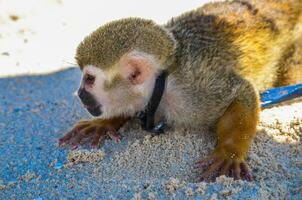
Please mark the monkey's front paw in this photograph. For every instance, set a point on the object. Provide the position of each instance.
(216, 166)
(95, 129)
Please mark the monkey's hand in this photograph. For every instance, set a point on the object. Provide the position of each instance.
(217, 164)
(235, 131)
(96, 129)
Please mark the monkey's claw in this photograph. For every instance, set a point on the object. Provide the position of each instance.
(215, 166)
(95, 130)
(114, 136)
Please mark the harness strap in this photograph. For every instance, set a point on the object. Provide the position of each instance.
(147, 116)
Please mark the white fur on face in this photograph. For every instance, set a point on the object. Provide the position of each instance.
(97, 88)
(115, 102)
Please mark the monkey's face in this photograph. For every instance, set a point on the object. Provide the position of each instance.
(122, 89)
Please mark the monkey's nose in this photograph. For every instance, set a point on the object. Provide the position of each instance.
(86, 97)
(81, 93)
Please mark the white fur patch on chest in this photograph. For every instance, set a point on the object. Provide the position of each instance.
(175, 106)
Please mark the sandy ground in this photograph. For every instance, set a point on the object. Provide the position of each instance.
(36, 110)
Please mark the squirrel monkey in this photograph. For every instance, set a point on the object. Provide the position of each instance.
(216, 58)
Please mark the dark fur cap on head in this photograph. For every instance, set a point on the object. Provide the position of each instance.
(107, 44)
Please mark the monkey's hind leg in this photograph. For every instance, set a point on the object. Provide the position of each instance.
(235, 131)
(96, 128)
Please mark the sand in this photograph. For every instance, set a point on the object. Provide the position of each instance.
(33, 166)
(275, 157)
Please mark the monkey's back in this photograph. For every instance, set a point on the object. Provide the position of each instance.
(251, 37)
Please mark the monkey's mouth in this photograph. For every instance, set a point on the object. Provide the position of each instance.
(94, 110)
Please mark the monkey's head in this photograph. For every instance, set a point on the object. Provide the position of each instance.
(120, 62)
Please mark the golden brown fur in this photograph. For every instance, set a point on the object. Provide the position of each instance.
(259, 32)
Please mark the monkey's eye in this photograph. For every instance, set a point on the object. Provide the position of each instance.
(89, 79)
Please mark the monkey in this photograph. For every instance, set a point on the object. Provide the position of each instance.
(216, 58)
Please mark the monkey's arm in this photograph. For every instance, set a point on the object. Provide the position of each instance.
(95, 128)
(235, 131)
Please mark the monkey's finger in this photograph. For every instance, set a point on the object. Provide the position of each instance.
(63, 140)
(79, 126)
(75, 141)
(114, 136)
(225, 170)
(96, 138)
(212, 170)
(245, 172)
(204, 162)
(236, 170)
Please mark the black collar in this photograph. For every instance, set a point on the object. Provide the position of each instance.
(147, 116)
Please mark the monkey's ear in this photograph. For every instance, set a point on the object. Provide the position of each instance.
(137, 68)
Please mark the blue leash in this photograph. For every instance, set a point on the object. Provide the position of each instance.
(279, 94)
